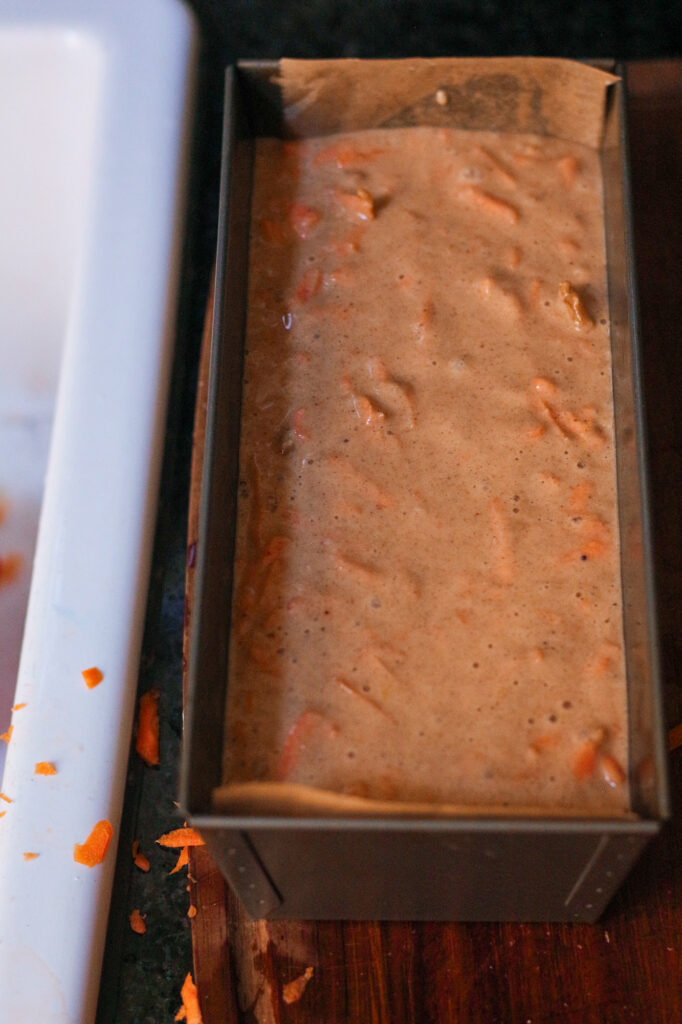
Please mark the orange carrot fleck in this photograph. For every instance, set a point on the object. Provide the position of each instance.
(675, 737)
(183, 860)
(2, 814)
(5, 798)
(544, 387)
(147, 739)
(140, 860)
(574, 304)
(303, 219)
(18, 707)
(367, 412)
(343, 156)
(10, 567)
(7, 736)
(293, 990)
(30, 856)
(92, 677)
(94, 849)
(297, 737)
(190, 1010)
(180, 837)
(358, 204)
(612, 771)
(192, 912)
(137, 922)
(44, 768)
(585, 760)
(309, 285)
(567, 167)
(480, 200)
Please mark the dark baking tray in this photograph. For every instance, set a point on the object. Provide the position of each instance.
(468, 868)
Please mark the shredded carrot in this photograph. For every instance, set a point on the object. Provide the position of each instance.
(140, 860)
(44, 768)
(30, 856)
(358, 204)
(296, 739)
(574, 304)
(190, 1010)
(612, 771)
(92, 677)
(293, 990)
(180, 837)
(309, 285)
(476, 197)
(5, 798)
(192, 912)
(343, 156)
(7, 736)
(675, 737)
(183, 859)
(585, 760)
(303, 219)
(10, 567)
(94, 849)
(137, 922)
(147, 740)
(568, 168)
(2, 814)
(18, 707)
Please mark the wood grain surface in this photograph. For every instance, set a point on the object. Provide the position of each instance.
(629, 966)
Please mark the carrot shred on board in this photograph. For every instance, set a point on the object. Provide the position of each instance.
(30, 856)
(189, 1011)
(44, 768)
(137, 922)
(140, 860)
(147, 740)
(293, 990)
(180, 837)
(675, 737)
(6, 798)
(192, 911)
(183, 859)
(2, 814)
(92, 677)
(7, 736)
(18, 707)
(94, 849)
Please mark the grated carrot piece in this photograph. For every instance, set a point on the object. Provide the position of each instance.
(585, 760)
(92, 677)
(10, 567)
(180, 837)
(30, 856)
(296, 739)
(94, 849)
(309, 285)
(7, 736)
(44, 768)
(147, 739)
(675, 737)
(192, 912)
(4, 797)
(18, 707)
(612, 771)
(137, 922)
(581, 319)
(2, 814)
(480, 200)
(293, 990)
(190, 1010)
(140, 860)
(182, 861)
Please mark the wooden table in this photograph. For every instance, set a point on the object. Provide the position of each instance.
(629, 966)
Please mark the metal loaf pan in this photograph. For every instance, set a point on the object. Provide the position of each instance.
(468, 868)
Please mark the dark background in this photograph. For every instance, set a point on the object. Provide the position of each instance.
(143, 974)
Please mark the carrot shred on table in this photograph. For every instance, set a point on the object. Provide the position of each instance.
(140, 860)
(675, 737)
(137, 922)
(30, 856)
(189, 1011)
(44, 768)
(94, 849)
(92, 677)
(2, 814)
(192, 911)
(10, 567)
(147, 740)
(293, 990)
(18, 707)
(7, 736)
(180, 837)
(4, 797)
(183, 859)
